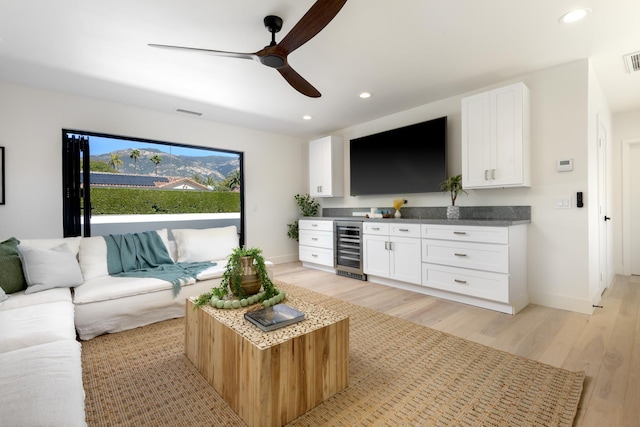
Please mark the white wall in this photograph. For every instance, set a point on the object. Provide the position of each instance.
(31, 121)
(558, 239)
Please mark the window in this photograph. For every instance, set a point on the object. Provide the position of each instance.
(115, 184)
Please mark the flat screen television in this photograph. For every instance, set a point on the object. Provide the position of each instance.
(410, 159)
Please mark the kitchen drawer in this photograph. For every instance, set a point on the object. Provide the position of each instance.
(376, 228)
(477, 256)
(320, 225)
(404, 230)
(480, 284)
(465, 233)
(320, 256)
(319, 239)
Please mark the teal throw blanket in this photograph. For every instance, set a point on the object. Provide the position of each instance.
(145, 255)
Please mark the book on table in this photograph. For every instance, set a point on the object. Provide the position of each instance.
(274, 317)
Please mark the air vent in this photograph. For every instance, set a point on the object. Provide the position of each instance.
(632, 62)
(193, 113)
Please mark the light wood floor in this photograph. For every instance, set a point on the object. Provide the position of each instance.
(605, 345)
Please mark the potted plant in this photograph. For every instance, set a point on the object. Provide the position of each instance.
(308, 207)
(453, 185)
(244, 275)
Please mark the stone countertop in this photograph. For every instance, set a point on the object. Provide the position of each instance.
(476, 222)
(487, 216)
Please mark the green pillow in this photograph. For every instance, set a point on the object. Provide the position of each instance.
(11, 275)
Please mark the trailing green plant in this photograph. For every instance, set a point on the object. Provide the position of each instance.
(231, 283)
(308, 207)
(453, 185)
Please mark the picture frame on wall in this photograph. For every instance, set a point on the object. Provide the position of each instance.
(2, 176)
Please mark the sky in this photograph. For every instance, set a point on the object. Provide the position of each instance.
(100, 145)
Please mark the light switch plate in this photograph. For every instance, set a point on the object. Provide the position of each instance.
(563, 202)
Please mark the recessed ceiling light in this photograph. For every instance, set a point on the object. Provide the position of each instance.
(365, 95)
(574, 15)
(307, 117)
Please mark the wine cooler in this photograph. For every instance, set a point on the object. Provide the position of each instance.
(348, 249)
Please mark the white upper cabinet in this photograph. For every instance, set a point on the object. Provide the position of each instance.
(326, 167)
(495, 138)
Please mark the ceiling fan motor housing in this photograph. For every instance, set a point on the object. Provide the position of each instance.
(273, 23)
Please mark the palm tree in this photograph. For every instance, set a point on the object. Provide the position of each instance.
(115, 161)
(156, 159)
(233, 180)
(135, 153)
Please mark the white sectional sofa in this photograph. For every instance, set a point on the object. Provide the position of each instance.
(41, 374)
(74, 298)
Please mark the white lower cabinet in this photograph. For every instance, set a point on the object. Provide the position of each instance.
(484, 266)
(315, 239)
(392, 251)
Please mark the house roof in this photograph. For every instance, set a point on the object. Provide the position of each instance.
(105, 179)
(406, 53)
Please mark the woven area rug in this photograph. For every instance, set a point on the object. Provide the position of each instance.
(401, 374)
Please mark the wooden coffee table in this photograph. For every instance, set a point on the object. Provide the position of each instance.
(270, 378)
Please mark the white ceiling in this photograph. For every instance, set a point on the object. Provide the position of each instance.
(406, 52)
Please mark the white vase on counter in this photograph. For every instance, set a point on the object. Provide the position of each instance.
(453, 212)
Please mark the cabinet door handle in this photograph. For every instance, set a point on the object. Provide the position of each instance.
(403, 229)
(464, 282)
(314, 255)
(460, 233)
(314, 238)
(314, 225)
(486, 174)
(375, 228)
(457, 254)
(493, 174)
(319, 188)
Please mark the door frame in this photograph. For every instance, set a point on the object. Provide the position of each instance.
(626, 206)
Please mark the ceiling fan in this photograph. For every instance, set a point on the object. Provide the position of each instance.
(275, 54)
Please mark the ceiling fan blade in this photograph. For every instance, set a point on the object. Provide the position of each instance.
(316, 18)
(207, 51)
(298, 82)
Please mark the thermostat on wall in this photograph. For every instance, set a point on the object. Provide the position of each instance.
(565, 165)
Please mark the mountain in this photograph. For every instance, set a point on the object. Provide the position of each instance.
(217, 167)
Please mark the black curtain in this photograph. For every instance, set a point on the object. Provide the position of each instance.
(76, 200)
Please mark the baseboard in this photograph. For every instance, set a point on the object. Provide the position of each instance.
(584, 306)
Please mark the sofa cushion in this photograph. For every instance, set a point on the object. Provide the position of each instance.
(42, 386)
(49, 268)
(210, 244)
(11, 275)
(36, 324)
(3, 296)
(108, 288)
(20, 299)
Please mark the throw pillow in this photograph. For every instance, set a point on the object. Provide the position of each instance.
(210, 244)
(93, 257)
(11, 276)
(49, 268)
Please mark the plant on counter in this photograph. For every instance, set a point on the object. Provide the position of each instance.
(308, 207)
(453, 185)
(231, 294)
